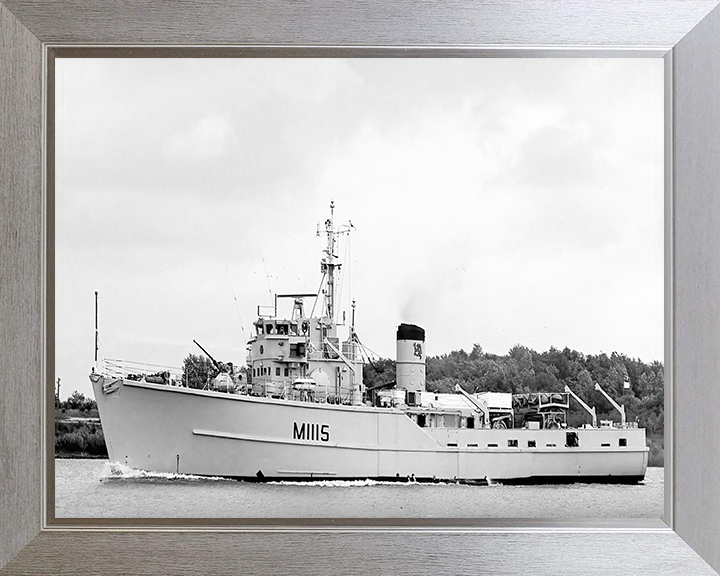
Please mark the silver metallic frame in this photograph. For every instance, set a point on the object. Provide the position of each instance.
(686, 33)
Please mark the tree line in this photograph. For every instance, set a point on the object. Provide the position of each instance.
(78, 402)
(199, 371)
(78, 433)
(524, 370)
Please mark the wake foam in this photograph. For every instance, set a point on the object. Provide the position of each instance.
(117, 471)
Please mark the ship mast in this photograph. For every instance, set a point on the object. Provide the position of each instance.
(329, 264)
(330, 267)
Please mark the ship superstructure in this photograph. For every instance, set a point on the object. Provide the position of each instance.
(303, 412)
(302, 357)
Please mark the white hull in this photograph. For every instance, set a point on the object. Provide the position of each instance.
(171, 429)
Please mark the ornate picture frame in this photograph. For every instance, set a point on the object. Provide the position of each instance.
(685, 34)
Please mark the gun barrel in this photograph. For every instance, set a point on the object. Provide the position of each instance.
(215, 362)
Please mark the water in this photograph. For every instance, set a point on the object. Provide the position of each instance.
(97, 489)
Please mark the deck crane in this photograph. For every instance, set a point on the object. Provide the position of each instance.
(590, 411)
(617, 406)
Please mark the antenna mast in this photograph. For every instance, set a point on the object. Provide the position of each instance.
(96, 328)
(329, 265)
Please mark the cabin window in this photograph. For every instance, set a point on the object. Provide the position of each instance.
(572, 440)
(550, 445)
(531, 444)
(452, 444)
(277, 371)
(623, 442)
(471, 422)
(297, 350)
(605, 445)
(512, 443)
(450, 421)
(492, 446)
(472, 445)
(422, 420)
(287, 372)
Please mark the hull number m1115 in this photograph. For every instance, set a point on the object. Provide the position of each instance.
(310, 431)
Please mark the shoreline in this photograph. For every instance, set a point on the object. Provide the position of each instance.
(80, 456)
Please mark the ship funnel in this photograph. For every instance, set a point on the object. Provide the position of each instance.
(410, 359)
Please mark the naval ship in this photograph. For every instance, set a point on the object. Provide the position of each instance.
(302, 412)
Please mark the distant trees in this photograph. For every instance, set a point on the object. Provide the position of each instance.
(524, 370)
(77, 433)
(379, 372)
(198, 371)
(79, 439)
(77, 401)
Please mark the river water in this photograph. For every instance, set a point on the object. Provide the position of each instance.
(98, 489)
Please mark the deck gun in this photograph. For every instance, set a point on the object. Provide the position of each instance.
(220, 367)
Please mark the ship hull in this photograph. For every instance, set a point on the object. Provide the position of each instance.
(171, 429)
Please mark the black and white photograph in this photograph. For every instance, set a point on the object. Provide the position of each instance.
(359, 288)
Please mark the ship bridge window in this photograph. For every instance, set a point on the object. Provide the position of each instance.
(293, 329)
(269, 329)
(422, 420)
(623, 442)
(282, 329)
(471, 422)
(277, 371)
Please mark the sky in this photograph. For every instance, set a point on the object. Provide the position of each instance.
(494, 202)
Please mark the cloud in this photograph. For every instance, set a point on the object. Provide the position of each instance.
(210, 136)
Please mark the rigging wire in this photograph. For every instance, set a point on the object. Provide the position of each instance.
(237, 306)
(312, 312)
(346, 263)
(113, 360)
(267, 276)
